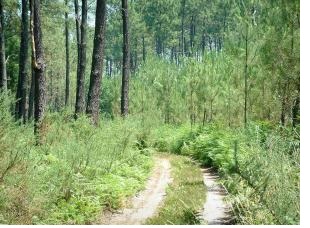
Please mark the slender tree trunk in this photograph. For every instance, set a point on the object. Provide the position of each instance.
(67, 93)
(3, 75)
(246, 79)
(80, 88)
(97, 63)
(39, 70)
(110, 67)
(182, 26)
(192, 35)
(78, 30)
(143, 49)
(204, 117)
(21, 94)
(31, 96)
(296, 112)
(126, 61)
(283, 104)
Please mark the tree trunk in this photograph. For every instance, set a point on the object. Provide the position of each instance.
(246, 79)
(296, 112)
(3, 75)
(31, 96)
(23, 57)
(39, 70)
(182, 26)
(80, 88)
(192, 35)
(143, 49)
(67, 92)
(78, 31)
(110, 67)
(97, 63)
(126, 61)
(283, 111)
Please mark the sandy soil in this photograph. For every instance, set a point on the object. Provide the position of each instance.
(145, 204)
(215, 211)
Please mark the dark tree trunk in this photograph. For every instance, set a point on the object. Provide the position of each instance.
(110, 67)
(246, 80)
(97, 63)
(203, 44)
(78, 31)
(39, 70)
(296, 112)
(31, 96)
(3, 75)
(126, 61)
(80, 88)
(67, 93)
(182, 26)
(143, 49)
(192, 35)
(283, 112)
(21, 94)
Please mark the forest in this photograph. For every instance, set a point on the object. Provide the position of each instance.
(150, 112)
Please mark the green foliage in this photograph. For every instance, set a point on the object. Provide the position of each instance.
(76, 174)
(259, 167)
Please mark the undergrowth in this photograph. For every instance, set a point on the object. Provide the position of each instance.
(78, 171)
(259, 166)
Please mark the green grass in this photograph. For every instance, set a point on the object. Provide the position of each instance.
(185, 195)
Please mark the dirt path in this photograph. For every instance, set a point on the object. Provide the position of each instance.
(144, 205)
(215, 211)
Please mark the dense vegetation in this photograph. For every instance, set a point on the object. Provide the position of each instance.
(217, 81)
(259, 166)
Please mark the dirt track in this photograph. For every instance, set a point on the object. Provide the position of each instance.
(215, 211)
(145, 204)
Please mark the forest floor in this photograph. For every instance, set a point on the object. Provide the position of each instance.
(145, 204)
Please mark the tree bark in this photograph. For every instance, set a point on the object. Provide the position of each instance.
(67, 92)
(296, 112)
(39, 70)
(182, 26)
(21, 94)
(143, 49)
(80, 89)
(97, 63)
(126, 61)
(31, 96)
(246, 79)
(3, 74)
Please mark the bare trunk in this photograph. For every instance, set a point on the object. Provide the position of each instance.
(21, 94)
(39, 70)
(97, 63)
(3, 75)
(143, 49)
(126, 61)
(31, 97)
(80, 88)
(246, 79)
(67, 92)
(182, 26)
